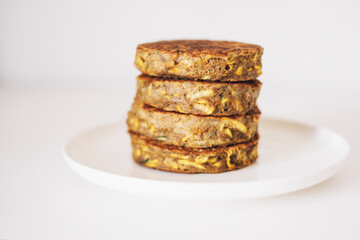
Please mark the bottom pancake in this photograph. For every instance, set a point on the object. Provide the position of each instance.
(171, 158)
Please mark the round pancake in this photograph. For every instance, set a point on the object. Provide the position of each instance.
(198, 97)
(191, 130)
(164, 157)
(200, 60)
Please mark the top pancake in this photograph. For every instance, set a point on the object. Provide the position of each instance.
(200, 60)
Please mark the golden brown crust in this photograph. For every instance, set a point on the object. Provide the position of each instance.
(160, 156)
(200, 59)
(198, 97)
(196, 48)
(191, 130)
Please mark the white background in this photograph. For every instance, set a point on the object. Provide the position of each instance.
(93, 42)
(68, 65)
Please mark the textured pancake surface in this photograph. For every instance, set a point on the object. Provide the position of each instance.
(164, 157)
(191, 130)
(198, 97)
(200, 60)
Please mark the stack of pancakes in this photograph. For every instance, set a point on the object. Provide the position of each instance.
(195, 107)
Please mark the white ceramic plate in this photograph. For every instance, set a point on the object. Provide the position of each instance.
(292, 156)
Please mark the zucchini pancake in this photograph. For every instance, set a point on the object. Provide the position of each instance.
(153, 154)
(195, 109)
(191, 130)
(200, 60)
(198, 97)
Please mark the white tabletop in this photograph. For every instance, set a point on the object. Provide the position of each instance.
(41, 198)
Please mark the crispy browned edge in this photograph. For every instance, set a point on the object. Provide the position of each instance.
(253, 112)
(187, 150)
(198, 47)
(190, 172)
(253, 83)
